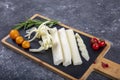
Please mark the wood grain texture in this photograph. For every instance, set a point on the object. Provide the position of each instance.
(113, 71)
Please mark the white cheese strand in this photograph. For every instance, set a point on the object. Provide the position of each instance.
(42, 32)
(82, 47)
(30, 31)
(38, 31)
(37, 50)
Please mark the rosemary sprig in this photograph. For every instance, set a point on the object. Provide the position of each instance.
(29, 23)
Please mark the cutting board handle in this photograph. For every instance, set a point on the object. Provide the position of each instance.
(109, 68)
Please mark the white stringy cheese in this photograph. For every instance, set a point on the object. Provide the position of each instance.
(41, 32)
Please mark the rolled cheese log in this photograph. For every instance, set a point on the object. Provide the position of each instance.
(65, 47)
(74, 49)
(82, 47)
(56, 48)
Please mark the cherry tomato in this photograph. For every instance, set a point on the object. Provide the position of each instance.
(95, 46)
(19, 40)
(94, 40)
(26, 44)
(101, 43)
(14, 33)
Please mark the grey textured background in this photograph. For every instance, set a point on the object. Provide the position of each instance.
(100, 18)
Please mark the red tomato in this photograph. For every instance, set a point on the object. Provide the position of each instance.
(95, 46)
(101, 43)
(94, 40)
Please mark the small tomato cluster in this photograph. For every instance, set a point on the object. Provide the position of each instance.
(97, 43)
(15, 35)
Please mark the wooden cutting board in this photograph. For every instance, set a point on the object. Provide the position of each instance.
(80, 72)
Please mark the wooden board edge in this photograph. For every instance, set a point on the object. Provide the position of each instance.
(112, 71)
(36, 59)
(39, 15)
(88, 72)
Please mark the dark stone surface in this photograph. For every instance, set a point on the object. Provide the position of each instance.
(97, 17)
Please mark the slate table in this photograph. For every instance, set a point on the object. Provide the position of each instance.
(100, 18)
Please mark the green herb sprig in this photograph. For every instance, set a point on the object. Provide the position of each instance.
(29, 23)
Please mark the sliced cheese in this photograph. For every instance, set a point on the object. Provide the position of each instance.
(74, 49)
(65, 47)
(56, 48)
(82, 47)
